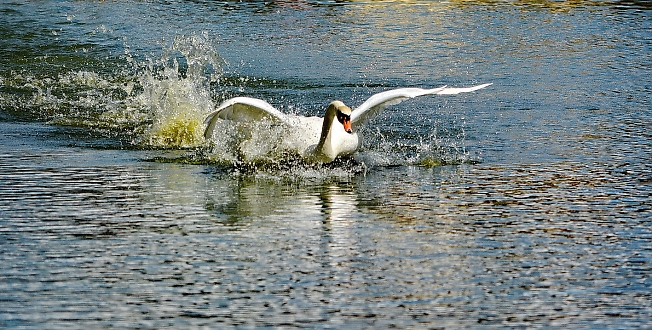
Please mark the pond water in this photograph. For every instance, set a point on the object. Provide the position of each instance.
(524, 204)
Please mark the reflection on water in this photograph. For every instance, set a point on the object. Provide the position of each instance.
(123, 243)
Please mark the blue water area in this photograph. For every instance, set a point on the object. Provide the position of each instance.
(522, 205)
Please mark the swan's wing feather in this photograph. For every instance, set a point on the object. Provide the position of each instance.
(453, 90)
(243, 109)
(375, 105)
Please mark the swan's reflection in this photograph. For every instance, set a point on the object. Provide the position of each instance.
(314, 248)
(338, 207)
(321, 217)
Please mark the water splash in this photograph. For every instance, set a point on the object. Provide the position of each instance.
(177, 106)
(158, 102)
(444, 145)
(433, 143)
(176, 89)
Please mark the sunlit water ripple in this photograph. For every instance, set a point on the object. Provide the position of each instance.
(522, 205)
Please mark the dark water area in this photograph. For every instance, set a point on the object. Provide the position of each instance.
(525, 204)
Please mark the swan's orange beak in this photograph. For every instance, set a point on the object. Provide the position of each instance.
(347, 125)
(344, 117)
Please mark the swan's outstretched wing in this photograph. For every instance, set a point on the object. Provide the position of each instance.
(243, 109)
(378, 102)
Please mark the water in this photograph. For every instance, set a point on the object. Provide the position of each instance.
(525, 204)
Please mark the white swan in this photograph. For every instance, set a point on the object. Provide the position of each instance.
(320, 139)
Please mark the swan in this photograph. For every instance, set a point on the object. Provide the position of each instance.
(315, 139)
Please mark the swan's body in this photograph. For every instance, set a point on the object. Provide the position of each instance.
(318, 139)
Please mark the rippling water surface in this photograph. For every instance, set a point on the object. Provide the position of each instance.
(525, 204)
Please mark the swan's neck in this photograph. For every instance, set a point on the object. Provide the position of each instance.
(327, 125)
(325, 151)
(324, 148)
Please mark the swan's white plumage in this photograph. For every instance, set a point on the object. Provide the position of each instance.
(244, 109)
(319, 139)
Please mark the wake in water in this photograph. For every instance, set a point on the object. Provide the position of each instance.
(161, 103)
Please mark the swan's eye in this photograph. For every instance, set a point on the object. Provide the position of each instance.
(343, 117)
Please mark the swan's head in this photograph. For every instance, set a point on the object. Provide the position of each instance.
(343, 115)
